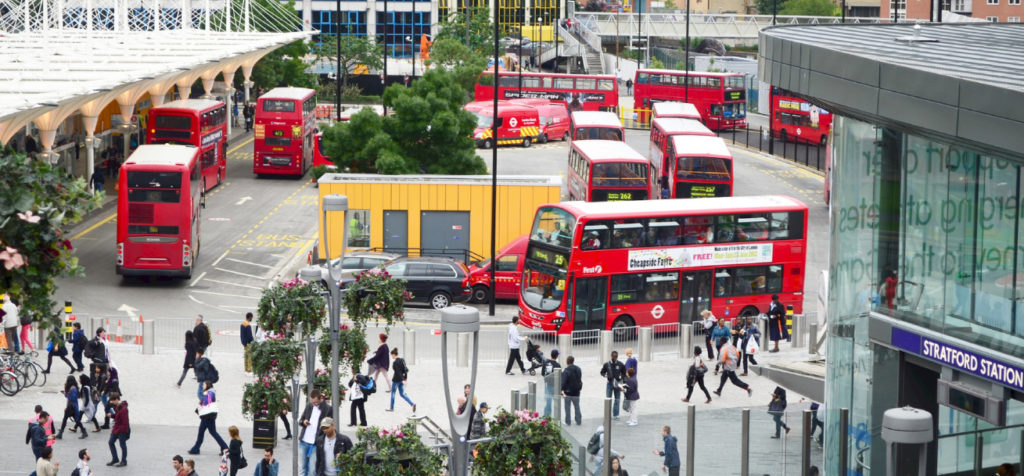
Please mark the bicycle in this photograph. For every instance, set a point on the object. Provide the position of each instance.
(23, 367)
(9, 384)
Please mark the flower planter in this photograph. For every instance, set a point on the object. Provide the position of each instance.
(264, 433)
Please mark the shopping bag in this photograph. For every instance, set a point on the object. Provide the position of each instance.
(752, 346)
(3, 340)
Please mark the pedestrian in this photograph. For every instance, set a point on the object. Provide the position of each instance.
(89, 401)
(97, 180)
(888, 288)
(818, 421)
(204, 369)
(248, 112)
(572, 383)
(11, 323)
(379, 363)
(814, 471)
(730, 357)
(190, 467)
(287, 424)
(37, 436)
(777, 328)
(190, 356)
(401, 374)
(709, 321)
(464, 403)
(777, 409)
(268, 465)
(632, 390)
(357, 396)
(202, 334)
(97, 352)
(71, 409)
(615, 372)
(315, 411)
(629, 87)
(179, 466)
(630, 360)
(513, 347)
(122, 429)
(329, 444)
(695, 376)
(111, 387)
(207, 419)
(55, 348)
(26, 327)
(478, 429)
(235, 456)
(749, 343)
(598, 449)
(78, 341)
(247, 338)
(717, 333)
(671, 452)
(83, 462)
(615, 467)
(234, 114)
(44, 465)
(549, 383)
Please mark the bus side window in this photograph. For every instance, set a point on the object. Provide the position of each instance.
(595, 236)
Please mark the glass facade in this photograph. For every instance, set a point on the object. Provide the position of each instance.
(404, 30)
(929, 233)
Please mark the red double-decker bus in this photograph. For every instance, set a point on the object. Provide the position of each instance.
(681, 110)
(607, 171)
(700, 166)
(579, 92)
(199, 122)
(285, 123)
(798, 120)
(160, 195)
(610, 265)
(721, 98)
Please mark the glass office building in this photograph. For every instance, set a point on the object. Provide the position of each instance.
(926, 292)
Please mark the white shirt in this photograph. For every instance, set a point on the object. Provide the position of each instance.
(309, 436)
(11, 317)
(260, 335)
(329, 468)
(513, 336)
(83, 468)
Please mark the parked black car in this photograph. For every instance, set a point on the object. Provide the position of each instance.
(435, 281)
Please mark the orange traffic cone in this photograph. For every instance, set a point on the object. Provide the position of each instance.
(138, 334)
(120, 332)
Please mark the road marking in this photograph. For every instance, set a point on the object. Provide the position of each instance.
(226, 294)
(239, 146)
(241, 273)
(93, 227)
(211, 305)
(196, 281)
(243, 200)
(215, 263)
(235, 307)
(258, 288)
(249, 262)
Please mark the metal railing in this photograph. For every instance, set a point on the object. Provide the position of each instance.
(466, 256)
(702, 25)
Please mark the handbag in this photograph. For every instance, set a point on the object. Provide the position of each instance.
(242, 463)
(208, 409)
(752, 346)
(701, 369)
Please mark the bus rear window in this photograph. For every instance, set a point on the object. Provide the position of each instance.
(278, 105)
(173, 122)
(598, 133)
(280, 141)
(142, 179)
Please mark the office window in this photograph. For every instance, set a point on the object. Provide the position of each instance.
(358, 228)
(992, 19)
(991, 2)
(1013, 19)
(1013, 2)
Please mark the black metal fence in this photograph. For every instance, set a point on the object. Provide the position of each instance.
(808, 154)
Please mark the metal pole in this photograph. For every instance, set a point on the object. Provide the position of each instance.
(805, 445)
(384, 80)
(844, 11)
(606, 451)
(494, 165)
(844, 440)
(745, 442)
(522, 20)
(311, 365)
(414, 42)
(686, 85)
(337, 54)
(295, 424)
(775, 10)
(979, 447)
(639, 34)
(691, 436)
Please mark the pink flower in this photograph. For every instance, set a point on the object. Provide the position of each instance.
(543, 423)
(29, 217)
(11, 258)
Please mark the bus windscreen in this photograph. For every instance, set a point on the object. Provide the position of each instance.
(703, 168)
(622, 174)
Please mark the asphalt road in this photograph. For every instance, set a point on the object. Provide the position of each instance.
(257, 230)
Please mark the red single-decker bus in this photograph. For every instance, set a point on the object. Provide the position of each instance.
(578, 92)
(159, 199)
(199, 122)
(721, 98)
(285, 123)
(613, 265)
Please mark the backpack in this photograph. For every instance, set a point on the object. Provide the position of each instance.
(212, 375)
(94, 349)
(369, 388)
(594, 445)
(76, 472)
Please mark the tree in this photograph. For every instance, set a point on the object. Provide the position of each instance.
(456, 57)
(37, 203)
(284, 67)
(817, 8)
(766, 7)
(477, 33)
(428, 132)
(355, 50)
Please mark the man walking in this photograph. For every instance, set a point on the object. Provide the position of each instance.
(201, 334)
(312, 416)
(37, 436)
(615, 371)
(122, 428)
(83, 462)
(12, 322)
(549, 383)
(204, 370)
(777, 329)
(329, 444)
(730, 362)
(572, 383)
(97, 180)
(513, 347)
(247, 338)
(78, 341)
(671, 452)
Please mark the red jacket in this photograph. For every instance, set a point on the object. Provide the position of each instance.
(121, 419)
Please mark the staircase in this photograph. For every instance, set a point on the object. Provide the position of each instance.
(589, 47)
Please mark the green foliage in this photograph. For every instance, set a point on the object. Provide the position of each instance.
(376, 295)
(37, 203)
(464, 63)
(322, 382)
(656, 64)
(477, 33)
(427, 132)
(766, 7)
(352, 348)
(275, 360)
(284, 67)
(289, 304)
(398, 451)
(630, 54)
(355, 50)
(670, 4)
(523, 443)
(818, 8)
(318, 171)
(694, 43)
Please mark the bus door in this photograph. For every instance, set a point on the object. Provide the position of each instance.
(590, 304)
(695, 296)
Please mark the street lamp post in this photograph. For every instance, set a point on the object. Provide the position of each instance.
(459, 319)
(686, 85)
(334, 203)
(337, 53)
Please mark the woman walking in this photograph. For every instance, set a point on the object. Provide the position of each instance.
(71, 409)
(379, 361)
(287, 424)
(89, 400)
(56, 348)
(695, 376)
(207, 419)
(190, 356)
(632, 391)
(750, 331)
(26, 326)
(235, 450)
(777, 408)
(398, 381)
(709, 324)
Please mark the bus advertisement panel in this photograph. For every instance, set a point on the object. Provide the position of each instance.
(198, 122)
(798, 120)
(284, 127)
(721, 98)
(609, 265)
(701, 166)
(158, 208)
(607, 171)
(578, 92)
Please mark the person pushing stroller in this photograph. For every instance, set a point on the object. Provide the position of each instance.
(534, 356)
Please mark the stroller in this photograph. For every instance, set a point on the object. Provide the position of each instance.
(535, 357)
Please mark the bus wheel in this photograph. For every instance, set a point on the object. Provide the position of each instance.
(480, 293)
(487, 144)
(527, 142)
(749, 311)
(543, 139)
(623, 328)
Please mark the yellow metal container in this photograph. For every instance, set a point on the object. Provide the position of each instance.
(369, 196)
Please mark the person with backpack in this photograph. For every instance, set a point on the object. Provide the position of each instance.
(359, 388)
(777, 408)
(572, 384)
(596, 449)
(549, 383)
(37, 435)
(398, 380)
(202, 334)
(78, 341)
(190, 356)
(89, 402)
(204, 370)
(730, 362)
(207, 412)
(96, 351)
(615, 371)
(82, 468)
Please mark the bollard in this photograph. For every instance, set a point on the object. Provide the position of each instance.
(462, 354)
(565, 344)
(691, 437)
(812, 338)
(646, 336)
(605, 345)
(794, 332)
(608, 442)
(515, 400)
(524, 402)
(685, 341)
(745, 442)
(805, 445)
(789, 319)
(581, 457)
(531, 396)
(409, 338)
(556, 383)
(148, 331)
(69, 319)
(844, 440)
(138, 334)
(765, 336)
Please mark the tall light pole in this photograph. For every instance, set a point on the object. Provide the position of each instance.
(494, 167)
(334, 203)
(522, 21)
(413, 42)
(337, 52)
(686, 85)
(460, 319)
(384, 80)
